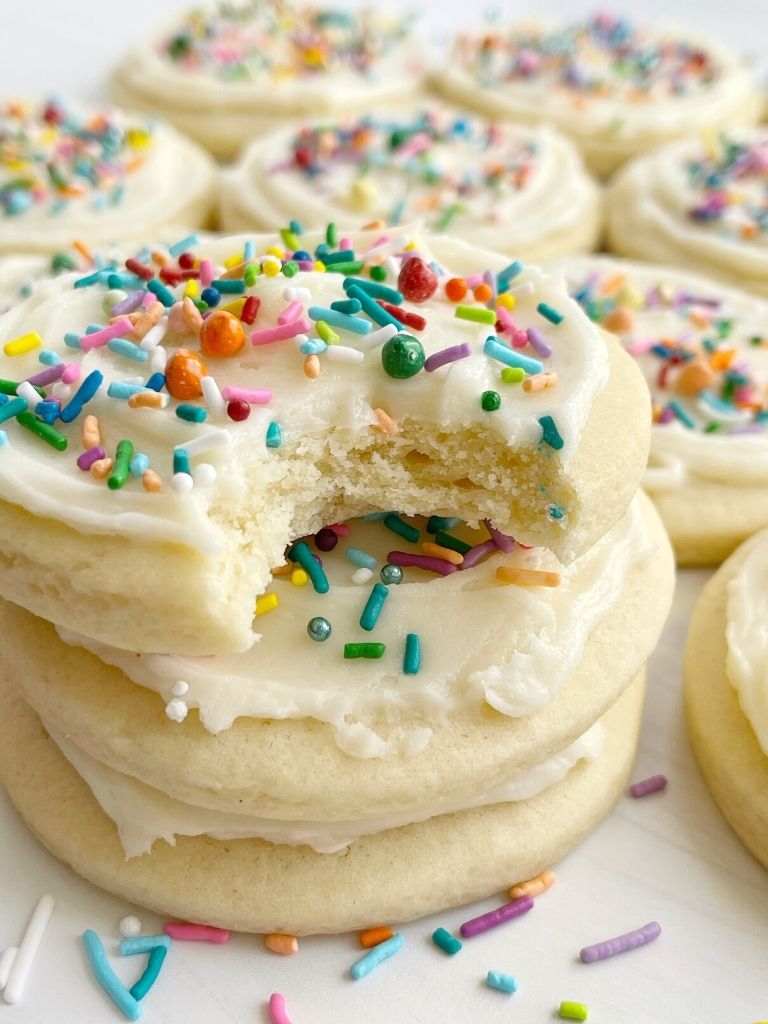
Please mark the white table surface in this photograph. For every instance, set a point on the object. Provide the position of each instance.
(669, 857)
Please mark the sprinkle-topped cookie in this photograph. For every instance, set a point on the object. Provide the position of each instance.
(731, 184)
(616, 87)
(522, 190)
(68, 172)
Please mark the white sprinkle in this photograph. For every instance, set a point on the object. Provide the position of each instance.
(129, 926)
(6, 963)
(526, 288)
(158, 359)
(300, 339)
(182, 483)
(176, 710)
(344, 354)
(25, 955)
(61, 390)
(180, 688)
(204, 475)
(393, 267)
(154, 336)
(213, 398)
(217, 438)
(297, 294)
(376, 338)
(26, 391)
(361, 575)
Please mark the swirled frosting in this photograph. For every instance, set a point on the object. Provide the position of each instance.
(68, 172)
(506, 187)
(747, 612)
(703, 349)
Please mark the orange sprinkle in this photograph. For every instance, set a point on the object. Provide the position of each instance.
(438, 551)
(695, 377)
(534, 886)
(146, 400)
(282, 570)
(385, 423)
(191, 314)
(482, 292)
(280, 943)
(699, 319)
(613, 283)
(374, 225)
(373, 936)
(236, 271)
(722, 358)
(83, 249)
(619, 320)
(147, 320)
(160, 258)
(540, 382)
(91, 434)
(151, 481)
(527, 577)
(101, 468)
(312, 367)
(456, 288)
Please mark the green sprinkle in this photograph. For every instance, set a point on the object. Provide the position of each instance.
(756, 339)
(378, 273)
(122, 466)
(8, 387)
(573, 1011)
(327, 333)
(44, 431)
(274, 435)
(62, 261)
(290, 239)
(447, 215)
(477, 314)
(445, 941)
(331, 235)
(250, 274)
(229, 285)
(550, 434)
(394, 523)
(713, 427)
(490, 400)
(290, 269)
(412, 657)
(550, 313)
(437, 523)
(191, 413)
(513, 374)
(364, 650)
(352, 267)
(447, 540)
(373, 606)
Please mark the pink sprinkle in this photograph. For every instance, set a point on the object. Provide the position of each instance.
(149, 299)
(340, 529)
(405, 558)
(639, 348)
(474, 280)
(280, 333)
(253, 396)
(87, 458)
(277, 1014)
(46, 376)
(501, 540)
(195, 932)
(291, 313)
(346, 243)
(70, 373)
(99, 338)
(206, 273)
(651, 785)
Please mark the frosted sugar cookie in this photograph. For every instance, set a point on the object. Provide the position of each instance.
(516, 189)
(72, 173)
(700, 204)
(170, 459)
(703, 349)
(398, 874)
(725, 691)
(617, 89)
(231, 71)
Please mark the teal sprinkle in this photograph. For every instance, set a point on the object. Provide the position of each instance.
(373, 606)
(375, 289)
(507, 275)
(296, 227)
(550, 434)
(181, 461)
(361, 558)
(144, 944)
(229, 285)
(300, 553)
(682, 415)
(550, 313)
(342, 256)
(412, 656)
(394, 523)
(437, 523)
(151, 972)
(163, 294)
(124, 280)
(447, 942)
(49, 358)
(447, 540)
(274, 435)
(371, 517)
(191, 413)
(556, 512)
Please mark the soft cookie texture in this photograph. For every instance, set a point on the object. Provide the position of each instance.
(703, 349)
(453, 741)
(96, 175)
(204, 467)
(517, 189)
(727, 727)
(616, 89)
(230, 72)
(398, 875)
(697, 203)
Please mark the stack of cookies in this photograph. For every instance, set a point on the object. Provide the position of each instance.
(325, 563)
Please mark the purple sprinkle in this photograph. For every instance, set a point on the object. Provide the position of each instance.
(129, 303)
(538, 343)
(622, 943)
(652, 785)
(502, 541)
(667, 415)
(87, 458)
(494, 918)
(478, 553)
(447, 355)
(406, 559)
(46, 376)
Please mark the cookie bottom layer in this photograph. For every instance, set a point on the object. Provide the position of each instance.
(251, 885)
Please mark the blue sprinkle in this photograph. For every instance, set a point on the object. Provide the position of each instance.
(183, 244)
(3, 438)
(312, 346)
(191, 413)
(510, 357)
(181, 461)
(375, 956)
(139, 464)
(122, 389)
(49, 358)
(274, 435)
(501, 982)
(82, 396)
(248, 250)
(361, 558)
(107, 978)
(123, 347)
(72, 339)
(210, 296)
(144, 944)
(48, 411)
(681, 414)
(156, 382)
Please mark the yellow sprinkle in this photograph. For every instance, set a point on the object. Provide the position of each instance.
(233, 260)
(275, 250)
(299, 577)
(271, 268)
(236, 307)
(138, 138)
(24, 343)
(319, 266)
(507, 301)
(527, 577)
(191, 289)
(411, 245)
(266, 603)
(446, 554)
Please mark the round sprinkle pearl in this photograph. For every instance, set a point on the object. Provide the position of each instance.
(490, 401)
(326, 539)
(402, 356)
(182, 483)
(176, 710)
(180, 688)
(319, 628)
(129, 926)
(204, 474)
(361, 575)
(391, 574)
(238, 410)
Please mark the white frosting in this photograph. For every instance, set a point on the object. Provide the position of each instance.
(18, 276)
(747, 636)
(144, 814)
(614, 111)
(511, 647)
(173, 185)
(49, 483)
(651, 297)
(650, 205)
(516, 189)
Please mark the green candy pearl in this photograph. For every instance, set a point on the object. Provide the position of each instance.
(490, 401)
(402, 356)
(319, 629)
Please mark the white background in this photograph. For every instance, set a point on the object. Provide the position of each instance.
(669, 857)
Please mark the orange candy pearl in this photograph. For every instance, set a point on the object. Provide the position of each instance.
(456, 288)
(482, 292)
(183, 374)
(221, 334)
